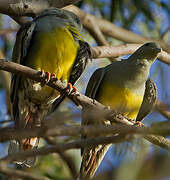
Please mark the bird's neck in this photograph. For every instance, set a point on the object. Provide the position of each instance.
(139, 70)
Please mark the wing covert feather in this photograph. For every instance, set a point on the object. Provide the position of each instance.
(149, 100)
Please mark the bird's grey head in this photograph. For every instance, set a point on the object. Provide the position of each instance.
(147, 52)
(67, 16)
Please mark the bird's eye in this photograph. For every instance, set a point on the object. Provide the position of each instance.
(77, 20)
(147, 44)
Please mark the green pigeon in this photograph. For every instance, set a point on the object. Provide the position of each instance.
(50, 43)
(124, 86)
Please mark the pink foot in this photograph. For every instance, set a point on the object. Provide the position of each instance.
(47, 76)
(71, 89)
(140, 124)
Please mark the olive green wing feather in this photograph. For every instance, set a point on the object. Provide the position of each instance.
(149, 100)
(94, 83)
(91, 91)
(92, 156)
(23, 41)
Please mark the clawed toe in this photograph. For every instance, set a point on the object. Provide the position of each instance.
(71, 89)
(140, 124)
(47, 77)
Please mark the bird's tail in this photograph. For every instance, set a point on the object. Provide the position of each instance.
(91, 160)
(30, 120)
(24, 145)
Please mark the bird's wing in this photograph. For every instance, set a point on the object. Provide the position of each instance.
(91, 92)
(20, 51)
(92, 89)
(23, 40)
(92, 156)
(149, 100)
(80, 63)
(83, 55)
(94, 83)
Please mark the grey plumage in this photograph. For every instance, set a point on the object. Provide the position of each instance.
(131, 75)
(32, 102)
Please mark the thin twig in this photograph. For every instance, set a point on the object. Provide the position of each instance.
(126, 127)
(110, 29)
(30, 8)
(6, 31)
(77, 144)
(160, 107)
(5, 121)
(121, 50)
(58, 85)
(165, 32)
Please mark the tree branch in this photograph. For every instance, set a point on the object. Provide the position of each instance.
(165, 32)
(5, 80)
(95, 31)
(121, 50)
(114, 31)
(157, 140)
(20, 8)
(6, 31)
(161, 108)
(97, 34)
(71, 145)
(77, 144)
(27, 7)
(123, 129)
(58, 85)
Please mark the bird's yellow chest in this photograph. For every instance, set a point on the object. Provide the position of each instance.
(120, 99)
(54, 52)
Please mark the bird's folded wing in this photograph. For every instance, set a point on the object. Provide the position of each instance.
(23, 41)
(149, 100)
(80, 63)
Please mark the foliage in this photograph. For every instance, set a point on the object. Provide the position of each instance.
(52, 167)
